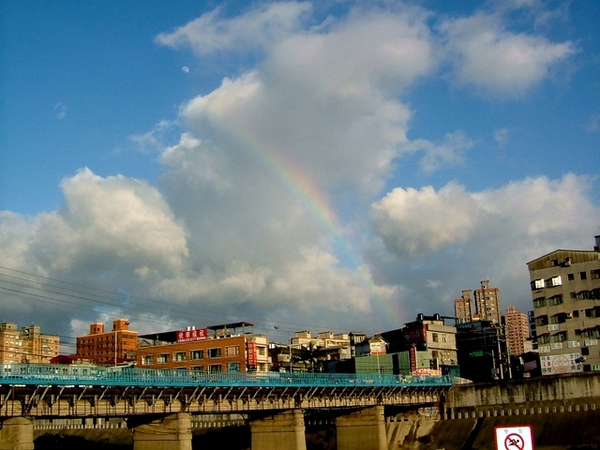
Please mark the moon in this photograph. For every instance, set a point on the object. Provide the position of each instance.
(185, 69)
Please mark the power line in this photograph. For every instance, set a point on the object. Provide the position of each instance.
(62, 293)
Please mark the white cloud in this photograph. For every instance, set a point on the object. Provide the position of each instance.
(460, 238)
(414, 222)
(111, 224)
(451, 152)
(259, 26)
(488, 55)
(324, 99)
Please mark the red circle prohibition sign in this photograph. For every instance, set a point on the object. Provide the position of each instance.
(514, 441)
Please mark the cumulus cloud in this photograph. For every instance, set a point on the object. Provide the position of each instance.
(462, 237)
(486, 54)
(107, 223)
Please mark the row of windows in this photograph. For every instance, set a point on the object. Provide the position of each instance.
(164, 358)
(594, 294)
(557, 280)
(555, 300)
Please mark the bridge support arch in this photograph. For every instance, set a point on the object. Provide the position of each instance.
(173, 432)
(362, 430)
(284, 430)
(16, 434)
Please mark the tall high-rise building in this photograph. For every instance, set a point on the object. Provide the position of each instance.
(110, 347)
(487, 302)
(27, 345)
(565, 288)
(463, 307)
(516, 330)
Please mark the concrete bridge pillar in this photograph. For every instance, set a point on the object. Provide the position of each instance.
(16, 434)
(362, 430)
(173, 432)
(284, 430)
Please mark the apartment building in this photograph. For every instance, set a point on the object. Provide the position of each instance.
(565, 288)
(484, 305)
(109, 347)
(27, 345)
(463, 307)
(214, 349)
(487, 302)
(516, 330)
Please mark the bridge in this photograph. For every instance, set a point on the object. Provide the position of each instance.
(158, 404)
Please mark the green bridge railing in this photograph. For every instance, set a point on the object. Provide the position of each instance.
(88, 375)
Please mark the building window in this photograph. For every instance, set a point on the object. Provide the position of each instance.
(434, 337)
(197, 354)
(541, 321)
(262, 351)
(583, 275)
(232, 350)
(233, 367)
(544, 339)
(147, 360)
(539, 302)
(180, 356)
(595, 274)
(538, 284)
(214, 352)
(163, 358)
(571, 276)
(555, 300)
(555, 281)
(198, 369)
(214, 368)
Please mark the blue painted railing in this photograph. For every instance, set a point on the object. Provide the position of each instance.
(84, 375)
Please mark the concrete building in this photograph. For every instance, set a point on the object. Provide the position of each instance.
(487, 303)
(218, 348)
(516, 330)
(565, 288)
(324, 339)
(463, 307)
(431, 334)
(27, 345)
(109, 347)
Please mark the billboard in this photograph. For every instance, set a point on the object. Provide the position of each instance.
(192, 335)
(252, 356)
(556, 364)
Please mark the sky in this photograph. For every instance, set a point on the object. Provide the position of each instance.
(327, 166)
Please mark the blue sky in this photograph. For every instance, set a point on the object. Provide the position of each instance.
(162, 154)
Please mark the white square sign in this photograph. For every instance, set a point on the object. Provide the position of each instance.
(514, 437)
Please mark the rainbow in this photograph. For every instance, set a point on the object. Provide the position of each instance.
(297, 181)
